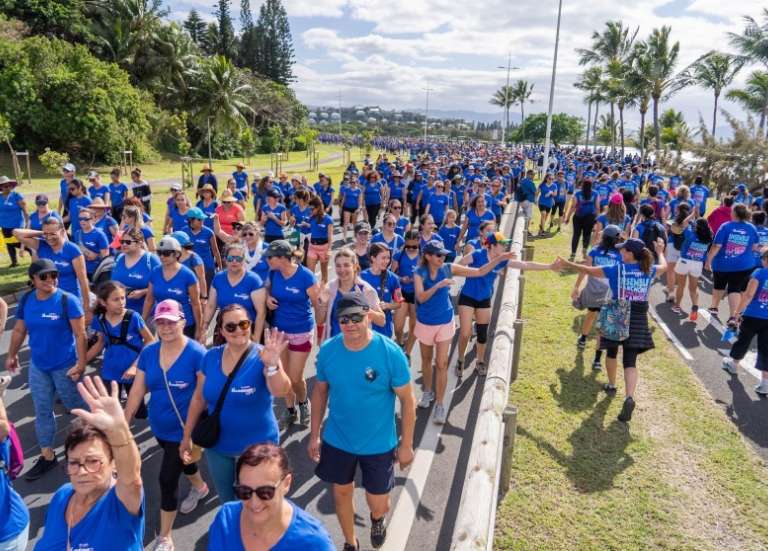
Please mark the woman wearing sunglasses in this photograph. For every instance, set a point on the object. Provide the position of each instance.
(404, 263)
(387, 235)
(402, 223)
(236, 285)
(173, 280)
(92, 241)
(204, 243)
(320, 238)
(133, 217)
(133, 267)
(246, 415)
(168, 371)
(387, 286)
(254, 250)
(263, 518)
(77, 198)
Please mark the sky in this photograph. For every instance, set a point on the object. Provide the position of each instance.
(386, 52)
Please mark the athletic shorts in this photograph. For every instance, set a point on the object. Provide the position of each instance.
(527, 207)
(671, 253)
(464, 300)
(409, 297)
(545, 208)
(689, 267)
(559, 208)
(734, 282)
(299, 342)
(352, 210)
(339, 467)
(430, 335)
(319, 252)
(592, 309)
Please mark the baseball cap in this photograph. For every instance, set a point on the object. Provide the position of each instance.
(93, 175)
(279, 248)
(41, 199)
(274, 193)
(181, 237)
(633, 245)
(496, 238)
(435, 247)
(616, 199)
(362, 226)
(195, 213)
(612, 230)
(42, 266)
(176, 186)
(68, 167)
(168, 243)
(351, 303)
(168, 309)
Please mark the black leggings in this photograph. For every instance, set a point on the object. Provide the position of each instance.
(747, 330)
(373, 214)
(141, 412)
(171, 468)
(415, 212)
(628, 359)
(8, 233)
(582, 228)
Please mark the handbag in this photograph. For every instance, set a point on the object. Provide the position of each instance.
(206, 432)
(614, 315)
(197, 452)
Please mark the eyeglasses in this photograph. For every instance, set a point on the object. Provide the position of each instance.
(232, 326)
(48, 275)
(411, 247)
(264, 493)
(91, 465)
(166, 253)
(127, 242)
(389, 223)
(250, 234)
(233, 258)
(351, 318)
(85, 219)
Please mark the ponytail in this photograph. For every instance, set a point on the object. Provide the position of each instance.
(645, 259)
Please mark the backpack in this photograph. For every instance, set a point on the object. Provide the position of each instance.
(16, 459)
(123, 338)
(653, 231)
(64, 303)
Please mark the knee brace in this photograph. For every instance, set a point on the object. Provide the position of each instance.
(482, 333)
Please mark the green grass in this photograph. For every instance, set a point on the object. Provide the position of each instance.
(679, 477)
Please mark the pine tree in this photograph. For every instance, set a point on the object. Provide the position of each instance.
(226, 41)
(247, 49)
(246, 19)
(274, 57)
(195, 26)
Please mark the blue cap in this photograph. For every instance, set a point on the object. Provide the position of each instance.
(196, 213)
(435, 247)
(181, 237)
(633, 245)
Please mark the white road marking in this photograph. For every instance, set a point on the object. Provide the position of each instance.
(671, 336)
(748, 363)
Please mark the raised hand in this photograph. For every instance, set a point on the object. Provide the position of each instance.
(275, 342)
(106, 412)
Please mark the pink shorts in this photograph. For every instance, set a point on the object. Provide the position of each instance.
(319, 252)
(299, 342)
(429, 335)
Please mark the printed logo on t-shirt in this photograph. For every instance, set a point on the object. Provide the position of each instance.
(697, 251)
(53, 316)
(293, 290)
(62, 263)
(241, 296)
(247, 390)
(135, 275)
(736, 245)
(181, 385)
(175, 291)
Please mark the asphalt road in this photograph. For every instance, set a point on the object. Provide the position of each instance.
(424, 502)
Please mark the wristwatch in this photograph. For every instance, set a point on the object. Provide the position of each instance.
(272, 370)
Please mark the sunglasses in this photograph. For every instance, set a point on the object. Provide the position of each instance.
(438, 255)
(411, 247)
(127, 242)
(166, 253)
(250, 234)
(49, 275)
(389, 223)
(231, 326)
(85, 219)
(351, 318)
(233, 258)
(264, 493)
(396, 208)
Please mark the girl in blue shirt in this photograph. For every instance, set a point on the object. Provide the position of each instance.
(320, 238)
(77, 199)
(351, 200)
(387, 285)
(246, 415)
(404, 264)
(374, 194)
(118, 192)
(325, 191)
(476, 214)
(41, 212)
(176, 216)
(693, 253)
(449, 233)
(92, 241)
(274, 217)
(13, 214)
(133, 218)
(402, 223)
(204, 243)
(133, 267)
(438, 203)
(208, 204)
(546, 200)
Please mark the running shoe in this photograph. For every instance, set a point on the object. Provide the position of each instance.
(596, 366)
(5, 380)
(440, 415)
(163, 544)
(762, 388)
(676, 309)
(581, 342)
(378, 532)
(427, 397)
(572, 257)
(694, 313)
(290, 417)
(712, 312)
(609, 389)
(626, 410)
(459, 368)
(193, 498)
(482, 369)
(304, 414)
(41, 466)
(729, 365)
(350, 547)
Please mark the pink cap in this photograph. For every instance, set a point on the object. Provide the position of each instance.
(616, 199)
(169, 309)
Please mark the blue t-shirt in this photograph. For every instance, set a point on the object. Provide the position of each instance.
(178, 220)
(604, 257)
(105, 224)
(319, 230)
(758, 306)
(101, 191)
(247, 416)
(74, 205)
(201, 244)
(240, 293)
(367, 376)
(474, 220)
(400, 226)
(584, 205)
(396, 189)
(119, 357)
(192, 261)
(135, 277)
(272, 228)
(406, 267)
(692, 248)
(762, 243)
(176, 288)
(438, 204)
(351, 197)
(373, 193)
(304, 531)
(439, 308)
(302, 218)
(386, 292)
(108, 525)
(635, 284)
(294, 313)
(63, 260)
(450, 236)
(117, 193)
(209, 211)
(51, 340)
(325, 193)
(182, 378)
(14, 516)
(11, 213)
(393, 244)
(603, 220)
(700, 194)
(36, 222)
(481, 288)
(736, 240)
(527, 190)
(545, 199)
(241, 180)
(95, 241)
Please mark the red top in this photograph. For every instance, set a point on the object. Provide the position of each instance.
(229, 215)
(718, 217)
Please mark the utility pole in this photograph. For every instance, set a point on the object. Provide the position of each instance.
(426, 111)
(505, 124)
(210, 162)
(552, 89)
(339, 113)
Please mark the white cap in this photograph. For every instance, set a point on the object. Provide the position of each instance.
(68, 167)
(175, 186)
(271, 174)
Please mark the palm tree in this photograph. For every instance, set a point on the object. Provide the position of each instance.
(521, 92)
(638, 79)
(754, 96)
(174, 62)
(716, 71)
(662, 80)
(753, 41)
(591, 80)
(504, 98)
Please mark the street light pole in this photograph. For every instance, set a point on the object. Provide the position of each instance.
(506, 103)
(552, 89)
(339, 113)
(426, 111)
(210, 162)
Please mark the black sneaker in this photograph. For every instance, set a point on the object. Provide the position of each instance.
(378, 532)
(627, 409)
(348, 547)
(581, 343)
(609, 389)
(41, 466)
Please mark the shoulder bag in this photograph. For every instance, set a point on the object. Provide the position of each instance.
(196, 452)
(614, 315)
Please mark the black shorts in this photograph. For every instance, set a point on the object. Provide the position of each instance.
(590, 309)
(338, 467)
(409, 297)
(464, 300)
(734, 282)
(544, 208)
(559, 208)
(352, 210)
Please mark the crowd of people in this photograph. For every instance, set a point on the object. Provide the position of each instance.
(216, 319)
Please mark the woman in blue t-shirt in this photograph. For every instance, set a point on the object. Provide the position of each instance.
(14, 516)
(246, 414)
(615, 214)
(274, 216)
(374, 194)
(351, 199)
(168, 371)
(546, 200)
(630, 280)
(476, 214)
(404, 264)
(434, 318)
(732, 259)
(696, 241)
(402, 223)
(133, 267)
(584, 209)
(270, 521)
(176, 214)
(753, 321)
(320, 238)
(387, 286)
(133, 218)
(204, 243)
(208, 204)
(13, 214)
(102, 507)
(387, 236)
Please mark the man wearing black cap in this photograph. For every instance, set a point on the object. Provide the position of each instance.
(361, 372)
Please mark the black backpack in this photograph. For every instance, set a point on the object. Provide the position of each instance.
(64, 302)
(123, 338)
(653, 231)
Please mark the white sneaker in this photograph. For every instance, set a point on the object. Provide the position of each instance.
(729, 365)
(427, 397)
(5, 380)
(163, 544)
(762, 388)
(193, 498)
(440, 415)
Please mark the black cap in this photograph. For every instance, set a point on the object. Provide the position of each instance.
(633, 245)
(274, 193)
(279, 248)
(42, 266)
(351, 303)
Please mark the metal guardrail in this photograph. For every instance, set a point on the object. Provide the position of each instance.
(489, 461)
